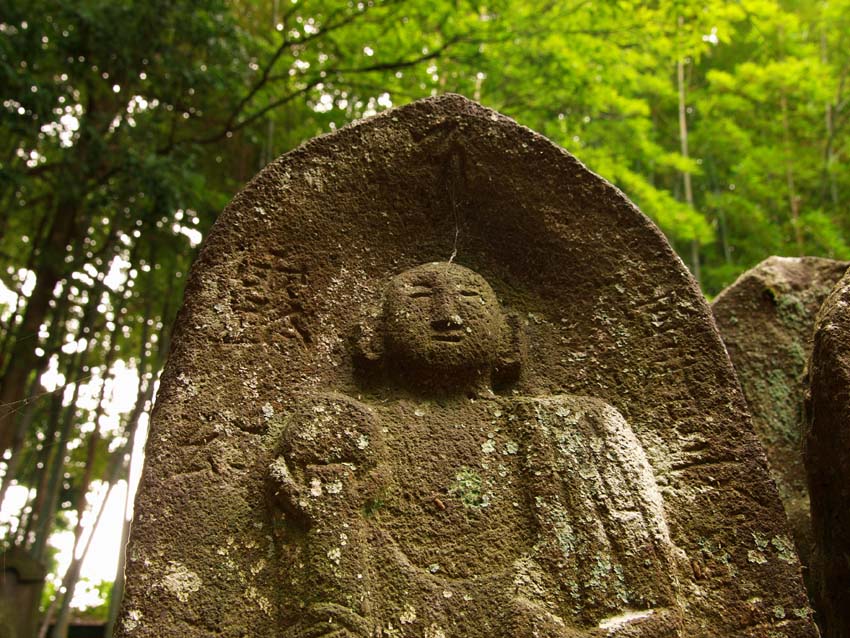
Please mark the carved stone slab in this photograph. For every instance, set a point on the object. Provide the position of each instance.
(766, 319)
(827, 457)
(21, 583)
(435, 378)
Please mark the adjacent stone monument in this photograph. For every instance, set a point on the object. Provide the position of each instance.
(827, 456)
(435, 378)
(21, 582)
(766, 320)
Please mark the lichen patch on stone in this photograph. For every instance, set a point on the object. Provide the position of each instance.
(132, 619)
(181, 581)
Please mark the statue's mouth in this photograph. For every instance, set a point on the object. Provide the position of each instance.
(454, 337)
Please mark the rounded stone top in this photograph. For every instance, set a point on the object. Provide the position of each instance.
(594, 299)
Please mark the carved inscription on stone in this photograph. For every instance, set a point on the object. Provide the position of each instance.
(261, 321)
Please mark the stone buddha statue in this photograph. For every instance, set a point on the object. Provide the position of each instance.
(435, 506)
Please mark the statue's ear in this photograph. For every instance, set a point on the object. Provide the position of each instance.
(512, 354)
(367, 344)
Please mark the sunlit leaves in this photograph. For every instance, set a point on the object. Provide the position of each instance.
(142, 119)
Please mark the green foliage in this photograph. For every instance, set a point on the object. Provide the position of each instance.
(138, 121)
(100, 610)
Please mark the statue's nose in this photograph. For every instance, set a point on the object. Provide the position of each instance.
(444, 312)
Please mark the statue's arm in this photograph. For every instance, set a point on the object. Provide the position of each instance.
(600, 494)
(322, 470)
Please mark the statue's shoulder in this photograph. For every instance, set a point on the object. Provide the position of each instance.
(566, 407)
(578, 421)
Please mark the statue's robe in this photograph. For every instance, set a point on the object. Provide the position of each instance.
(550, 519)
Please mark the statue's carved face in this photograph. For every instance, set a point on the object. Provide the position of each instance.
(442, 317)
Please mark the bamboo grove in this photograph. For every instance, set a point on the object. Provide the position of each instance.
(127, 126)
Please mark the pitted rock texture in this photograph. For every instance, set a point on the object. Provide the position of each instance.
(766, 320)
(619, 492)
(827, 457)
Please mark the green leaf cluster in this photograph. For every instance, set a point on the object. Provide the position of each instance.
(125, 127)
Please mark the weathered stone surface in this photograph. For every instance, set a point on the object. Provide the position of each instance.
(766, 320)
(355, 437)
(827, 456)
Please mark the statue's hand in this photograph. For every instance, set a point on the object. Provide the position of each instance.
(530, 619)
(328, 488)
(653, 623)
(329, 620)
(327, 445)
(330, 428)
(286, 490)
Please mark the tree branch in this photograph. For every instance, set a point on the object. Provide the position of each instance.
(285, 44)
(311, 84)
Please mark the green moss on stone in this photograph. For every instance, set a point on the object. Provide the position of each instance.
(468, 487)
(792, 312)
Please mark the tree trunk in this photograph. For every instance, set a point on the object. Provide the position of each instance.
(13, 317)
(22, 357)
(69, 582)
(686, 176)
(48, 449)
(793, 198)
(143, 398)
(71, 577)
(24, 516)
(17, 447)
(829, 146)
(57, 333)
(54, 483)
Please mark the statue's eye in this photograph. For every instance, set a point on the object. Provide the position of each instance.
(469, 293)
(416, 294)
